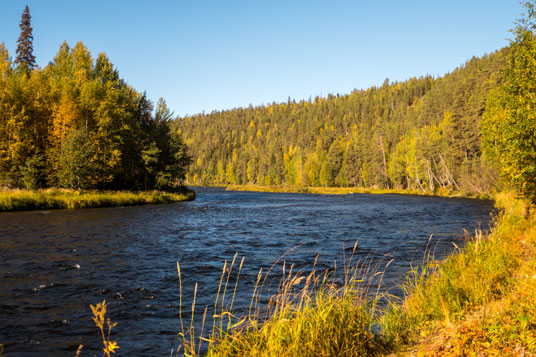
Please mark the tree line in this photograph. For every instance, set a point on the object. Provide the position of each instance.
(423, 134)
(77, 124)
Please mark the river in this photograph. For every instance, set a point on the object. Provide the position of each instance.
(54, 264)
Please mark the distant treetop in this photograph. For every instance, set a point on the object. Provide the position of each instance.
(25, 55)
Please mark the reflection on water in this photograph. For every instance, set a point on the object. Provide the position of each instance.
(53, 264)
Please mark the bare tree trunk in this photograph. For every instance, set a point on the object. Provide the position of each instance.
(448, 172)
(384, 164)
(419, 182)
(430, 176)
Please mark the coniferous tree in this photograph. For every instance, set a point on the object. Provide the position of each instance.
(25, 57)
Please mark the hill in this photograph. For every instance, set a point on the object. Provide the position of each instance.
(420, 134)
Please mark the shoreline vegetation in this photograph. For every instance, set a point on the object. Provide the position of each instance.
(23, 200)
(480, 298)
(352, 190)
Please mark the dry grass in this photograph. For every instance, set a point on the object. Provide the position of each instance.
(309, 315)
(352, 190)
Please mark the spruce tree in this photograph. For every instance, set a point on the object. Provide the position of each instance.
(25, 55)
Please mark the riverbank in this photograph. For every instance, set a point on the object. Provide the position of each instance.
(22, 200)
(352, 190)
(478, 300)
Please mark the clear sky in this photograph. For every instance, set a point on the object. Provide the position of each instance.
(203, 55)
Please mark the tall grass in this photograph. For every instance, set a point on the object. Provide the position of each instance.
(18, 200)
(308, 315)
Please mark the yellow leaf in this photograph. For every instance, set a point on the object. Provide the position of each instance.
(111, 347)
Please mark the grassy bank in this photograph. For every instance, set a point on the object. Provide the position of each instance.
(478, 301)
(351, 190)
(19, 200)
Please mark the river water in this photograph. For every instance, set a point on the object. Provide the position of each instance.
(54, 264)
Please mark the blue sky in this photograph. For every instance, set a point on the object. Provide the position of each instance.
(212, 55)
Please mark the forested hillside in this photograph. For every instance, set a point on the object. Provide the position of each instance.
(77, 124)
(423, 133)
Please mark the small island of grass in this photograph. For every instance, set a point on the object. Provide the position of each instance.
(20, 200)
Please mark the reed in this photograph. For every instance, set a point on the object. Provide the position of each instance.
(308, 315)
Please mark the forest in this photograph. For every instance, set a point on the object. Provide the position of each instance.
(77, 124)
(423, 133)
